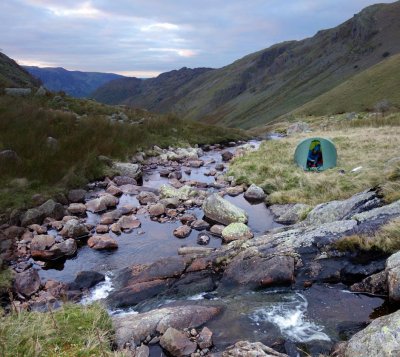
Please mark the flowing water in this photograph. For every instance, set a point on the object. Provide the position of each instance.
(313, 319)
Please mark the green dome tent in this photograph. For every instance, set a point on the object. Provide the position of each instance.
(316, 154)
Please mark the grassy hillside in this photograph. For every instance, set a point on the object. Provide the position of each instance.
(13, 75)
(368, 142)
(83, 132)
(361, 92)
(265, 85)
(75, 83)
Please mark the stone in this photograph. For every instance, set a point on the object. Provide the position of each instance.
(227, 156)
(222, 211)
(203, 239)
(290, 213)
(76, 196)
(375, 284)
(76, 208)
(299, 127)
(32, 216)
(74, 229)
(156, 210)
(38, 229)
(187, 218)
(236, 231)
(205, 338)
(145, 197)
(170, 202)
(217, 229)
(381, 213)
(110, 217)
(88, 279)
(182, 231)
(234, 191)
(220, 167)
(114, 190)
(8, 157)
(42, 242)
(127, 169)
(27, 283)
(177, 343)
(18, 92)
(251, 349)
(198, 251)
(184, 193)
(379, 339)
(142, 351)
(101, 228)
(200, 225)
(41, 92)
(102, 203)
(124, 180)
(392, 271)
(342, 210)
(52, 143)
(177, 175)
(254, 193)
(196, 163)
(127, 223)
(138, 327)
(103, 242)
(52, 209)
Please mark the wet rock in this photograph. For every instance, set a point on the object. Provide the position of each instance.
(289, 213)
(164, 172)
(220, 167)
(74, 229)
(110, 217)
(138, 327)
(374, 284)
(236, 231)
(52, 209)
(32, 216)
(217, 229)
(175, 183)
(184, 193)
(197, 251)
(205, 338)
(393, 276)
(227, 156)
(188, 171)
(102, 203)
(196, 163)
(222, 211)
(200, 225)
(255, 194)
(177, 175)
(115, 228)
(126, 169)
(101, 228)
(127, 223)
(146, 197)
(177, 343)
(42, 242)
(341, 210)
(156, 210)
(38, 229)
(203, 239)
(129, 189)
(76, 208)
(27, 283)
(381, 213)
(187, 218)
(182, 231)
(76, 196)
(251, 349)
(379, 339)
(142, 351)
(88, 279)
(103, 242)
(234, 191)
(254, 271)
(124, 180)
(114, 190)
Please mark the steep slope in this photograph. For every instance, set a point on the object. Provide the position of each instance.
(13, 75)
(266, 84)
(361, 92)
(158, 93)
(75, 83)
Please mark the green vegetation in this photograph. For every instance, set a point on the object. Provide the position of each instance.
(12, 75)
(73, 330)
(361, 92)
(386, 239)
(46, 167)
(272, 166)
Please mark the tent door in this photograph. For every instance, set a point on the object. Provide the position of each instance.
(315, 158)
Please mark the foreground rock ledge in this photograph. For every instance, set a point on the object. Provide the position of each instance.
(135, 328)
(249, 349)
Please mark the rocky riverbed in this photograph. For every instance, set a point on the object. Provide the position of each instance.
(190, 263)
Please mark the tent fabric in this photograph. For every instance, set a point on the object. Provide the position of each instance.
(316, 153)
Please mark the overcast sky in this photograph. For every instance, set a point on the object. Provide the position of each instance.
(147, 37)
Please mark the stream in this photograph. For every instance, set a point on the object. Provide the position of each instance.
(309, 320)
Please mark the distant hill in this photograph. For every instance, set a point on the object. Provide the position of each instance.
(267, 84)
(361, 92)
(13, 75)
(155, 93)
(75, 83)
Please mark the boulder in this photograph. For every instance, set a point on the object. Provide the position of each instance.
(345, 209)
(102, 228)
(177, 343)
(156, 210)
(9, 157)
(74, 229)
(110, 217)
(196, 163)
(27, 283)
(44, 248)
(76, 196)
(374, 284)
(227, 156)
(299, 127)
(114, 190)
(103, 242)
(379, 339)
(381, 213)
(393, 276)
(222, 211)
(102, 203)
(42, 242)
(32, 216)
(203, 239)
(187, 218)
(126, 169)
(145, 197)
(236, 231)
(184, 193)
(234, 191)
(205, 338)
(182, 231)
(170, 202)
(88, 279)
(127, 223)
(138, 327)
(124, 180)
(52, 209)
(251, 349)
(289, 213)
(76, 208)
(217, 229)
(255, 194)
(220, 167)
(200, 225)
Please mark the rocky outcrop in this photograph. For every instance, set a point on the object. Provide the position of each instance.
(135, 328)
(379, 339)
(382, 214)
(177, 343)
(342, 210)
(222, 211)
(251, 349)
(393, 276)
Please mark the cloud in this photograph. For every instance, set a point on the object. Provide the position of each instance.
(153, 36)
